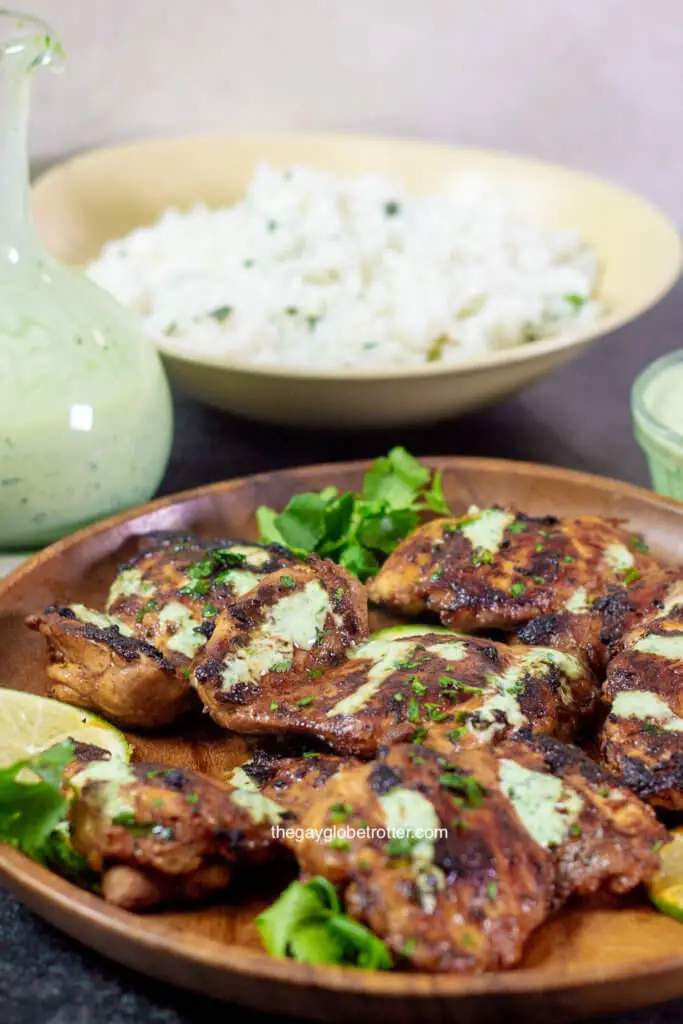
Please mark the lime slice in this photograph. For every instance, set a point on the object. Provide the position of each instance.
(29, 724)
(666, 888)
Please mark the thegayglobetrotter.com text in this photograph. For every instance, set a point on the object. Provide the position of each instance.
(336, 832)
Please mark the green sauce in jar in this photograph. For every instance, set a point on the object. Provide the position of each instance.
(85, 410)
(657, 408)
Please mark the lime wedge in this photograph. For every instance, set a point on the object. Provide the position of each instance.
(666, 888)
(29, 724)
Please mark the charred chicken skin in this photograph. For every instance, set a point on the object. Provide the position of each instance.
(292, 627)
(520, 830)
(131, 663)
(170, 595)
(404, 682)
(292, 782)
(598, 626)
(642, 737)
(494, 568)
(96, 662)
(158, 833)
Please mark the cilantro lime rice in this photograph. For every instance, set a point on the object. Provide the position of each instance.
(317, 271)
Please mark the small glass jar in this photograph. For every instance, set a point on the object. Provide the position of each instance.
(657, 410)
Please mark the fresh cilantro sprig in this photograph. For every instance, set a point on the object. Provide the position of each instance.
(358, 530)
(307, 923)
(33, 813)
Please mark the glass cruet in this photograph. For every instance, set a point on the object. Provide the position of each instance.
(85, 409)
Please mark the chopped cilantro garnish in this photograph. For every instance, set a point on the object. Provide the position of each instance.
(401, 846)
(639, 544)
(304, 702)
(209, 611)
(288, 581)
(417, 687)
(149, 607)
(631, 576)
(491, 890)
(517, 527)
(408, 947)
(465, 785)
(481, 557)
(220, 314)
(517, 589)
(339, 844)
(413, 710)
(124, 818)
(282, 666)
(311, 753)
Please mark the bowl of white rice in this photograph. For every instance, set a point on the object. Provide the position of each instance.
(350, 281)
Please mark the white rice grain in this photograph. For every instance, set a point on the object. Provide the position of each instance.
(316, 271)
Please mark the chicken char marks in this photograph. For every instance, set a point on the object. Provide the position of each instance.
(131, 662)
(403, 683)
(495, 568)
(522, 828)
(283, 635)
(642, 737)
(597, 627)
(292, 782)
(159, 834)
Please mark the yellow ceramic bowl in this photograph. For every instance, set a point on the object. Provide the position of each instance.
(106, 193)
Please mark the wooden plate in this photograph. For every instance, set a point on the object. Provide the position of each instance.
(593, 959)
(106, 193)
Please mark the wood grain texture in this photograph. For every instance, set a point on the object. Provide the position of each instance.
(593, 958)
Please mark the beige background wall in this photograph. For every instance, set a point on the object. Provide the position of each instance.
(594, 83)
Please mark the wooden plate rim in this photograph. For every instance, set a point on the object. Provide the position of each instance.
(27, 878)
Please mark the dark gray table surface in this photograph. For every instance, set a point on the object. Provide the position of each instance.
(578, 417)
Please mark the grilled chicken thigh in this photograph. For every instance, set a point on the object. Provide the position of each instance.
(286, 632)
(609, 840)
(521, 830)
(642, 737)
(404, 682)
(160, 833)
(97, 662)
(495, 568)
(131, 663)
(597, 627)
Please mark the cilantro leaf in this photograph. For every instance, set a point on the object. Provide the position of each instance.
(306, 923)
(31, 800)
(268, 531)
(385, 531)
(434, 497)
(302, 523)
(395, 479)
(359, 561)
(358, 530)
(337, 515)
